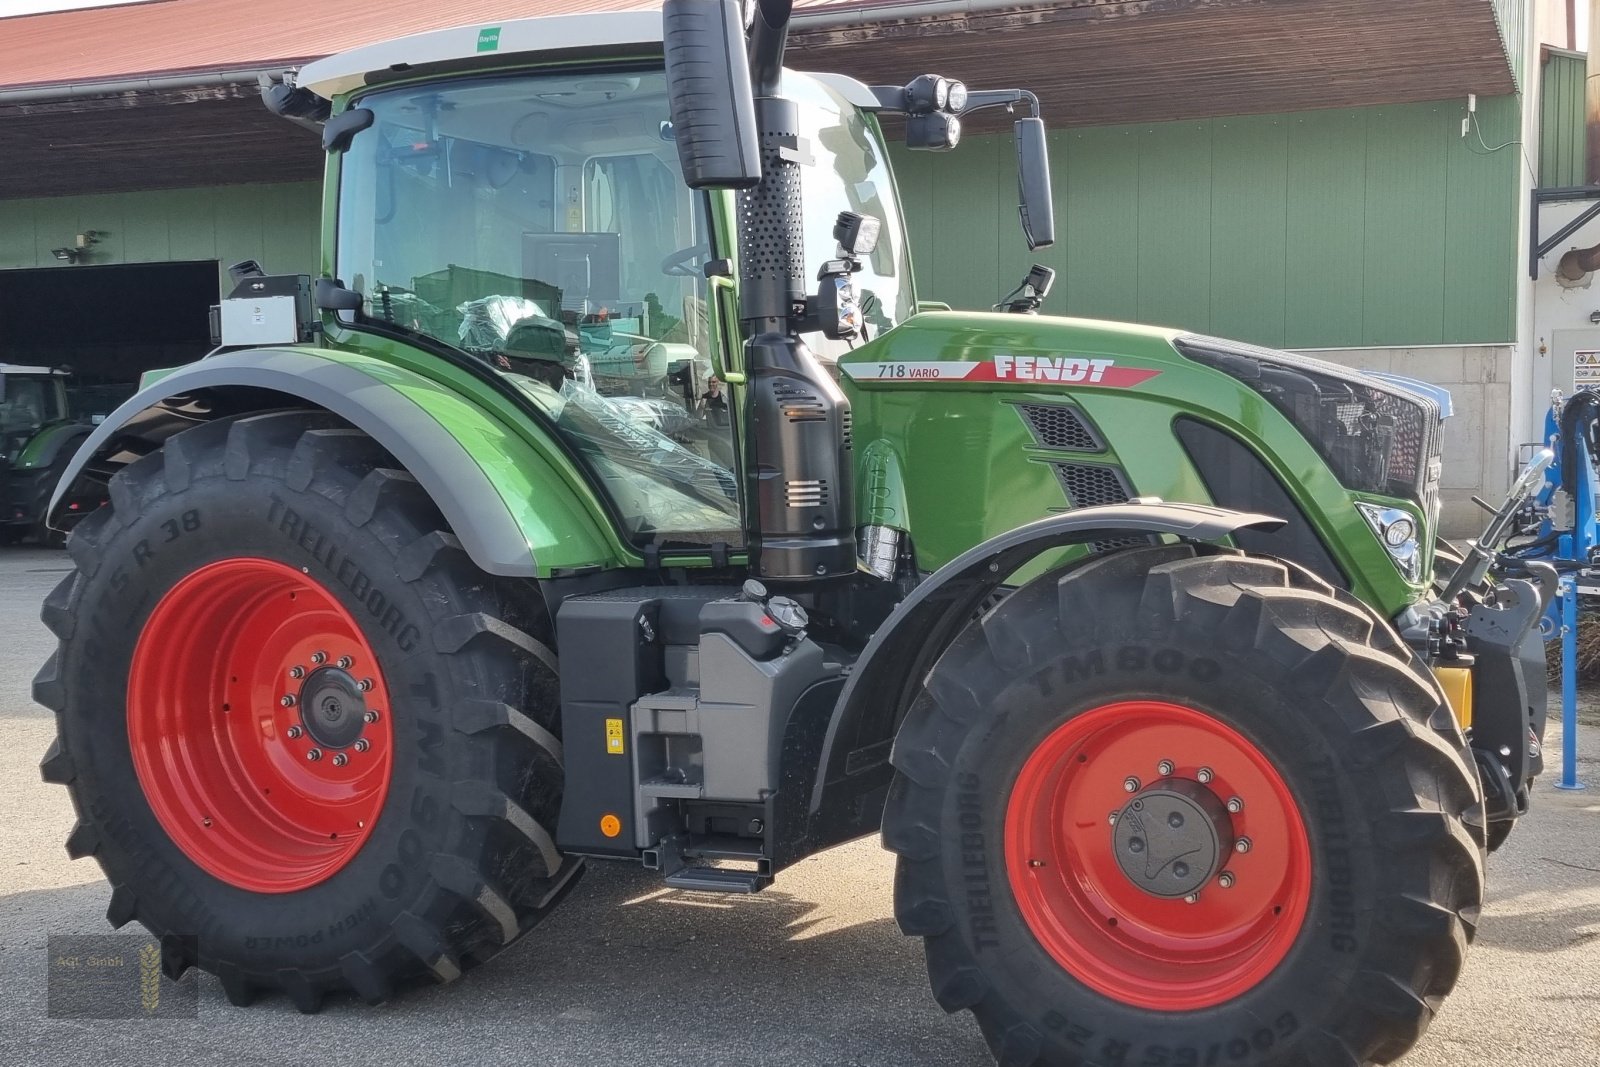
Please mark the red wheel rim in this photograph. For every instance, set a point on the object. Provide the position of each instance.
(1124, 942)
(258, 721)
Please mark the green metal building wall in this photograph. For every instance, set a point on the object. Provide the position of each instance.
(276, 224)
(1374, 226)
(1561, 142)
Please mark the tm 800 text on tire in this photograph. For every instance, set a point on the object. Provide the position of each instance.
(1185, 809)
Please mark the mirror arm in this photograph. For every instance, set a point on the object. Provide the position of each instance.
(987, 98)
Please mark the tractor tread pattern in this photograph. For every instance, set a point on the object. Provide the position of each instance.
(486, 893)
(1335, 647)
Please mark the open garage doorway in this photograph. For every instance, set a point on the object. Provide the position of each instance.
(108, 324)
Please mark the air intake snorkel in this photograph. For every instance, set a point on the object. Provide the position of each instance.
(797, 419)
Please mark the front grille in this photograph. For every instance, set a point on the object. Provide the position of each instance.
(1089, 485)
(1059, 426)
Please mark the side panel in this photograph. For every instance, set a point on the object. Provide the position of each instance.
(954, 396)
(506, 499)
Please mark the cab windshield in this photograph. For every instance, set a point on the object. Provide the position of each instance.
(540, 224)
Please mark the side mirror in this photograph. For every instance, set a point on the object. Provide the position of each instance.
(1033, 184)
(331, 295)
(339, 131)
(708, 90)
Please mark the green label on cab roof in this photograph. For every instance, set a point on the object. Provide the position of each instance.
(489, 39)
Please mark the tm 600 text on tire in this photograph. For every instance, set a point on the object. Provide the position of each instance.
(1185, 809)
(309, 743)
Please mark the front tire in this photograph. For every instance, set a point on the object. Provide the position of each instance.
(313, 748)
(1156, 713)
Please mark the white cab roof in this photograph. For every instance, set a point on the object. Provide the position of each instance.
(493, 42)
(489, 42)
(12, 368)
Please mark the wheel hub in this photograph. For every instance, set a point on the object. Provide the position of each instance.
(1172, 838)
(332, 707)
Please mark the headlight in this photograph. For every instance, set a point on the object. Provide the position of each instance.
(1397, 531)
(1376, 439)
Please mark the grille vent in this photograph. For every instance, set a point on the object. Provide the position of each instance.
(799, 404)
(1089, 485)
(1057, 426)
(849, 435)
(807, 494)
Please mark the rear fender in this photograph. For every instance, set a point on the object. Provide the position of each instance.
(514, 511)
(852, 766)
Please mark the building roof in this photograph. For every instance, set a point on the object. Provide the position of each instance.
(182, 36)
(84, 107)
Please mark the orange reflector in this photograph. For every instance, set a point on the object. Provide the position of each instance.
(1457, 685)
(610, 825)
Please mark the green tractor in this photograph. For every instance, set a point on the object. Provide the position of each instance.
(38, 437)
(611, 496)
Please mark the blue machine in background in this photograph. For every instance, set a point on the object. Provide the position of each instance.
(1561, 527)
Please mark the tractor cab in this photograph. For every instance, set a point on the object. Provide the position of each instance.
(31, 398)
(538, 223)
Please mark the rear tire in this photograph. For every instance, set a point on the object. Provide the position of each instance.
(460, 778)
(1218, 657)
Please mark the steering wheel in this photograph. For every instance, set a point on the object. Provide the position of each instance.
(682, 263)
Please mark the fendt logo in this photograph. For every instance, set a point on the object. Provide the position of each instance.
(1051, 369)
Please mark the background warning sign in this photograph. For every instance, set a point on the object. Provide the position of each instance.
(1585, 367)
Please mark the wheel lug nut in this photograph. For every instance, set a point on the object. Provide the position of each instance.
(361, 744)
(1164, 768)
(1192, 898)
(1112, 819)
(370, 717)
(319, 658)
(365, 685)
(1235, 805)
(1204, 774)
(293, 732)
(1225, 879)
(345, 662)
(1130, 784)
(340, 759)
(314, 755)
(287, 700)
(1242, 845)
(297, 672)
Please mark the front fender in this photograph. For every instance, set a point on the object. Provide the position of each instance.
(46, 446)
(515, 513)
(854, 758)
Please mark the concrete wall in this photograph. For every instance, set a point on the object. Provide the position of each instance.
(1478, 445)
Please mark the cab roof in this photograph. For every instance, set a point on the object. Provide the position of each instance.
(490, 43)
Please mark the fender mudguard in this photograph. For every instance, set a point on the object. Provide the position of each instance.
(46, 446)
(852, 765)
(514, 510)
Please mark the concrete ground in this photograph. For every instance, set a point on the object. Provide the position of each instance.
(812, 971)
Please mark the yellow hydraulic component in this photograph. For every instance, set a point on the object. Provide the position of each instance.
(1457, 683)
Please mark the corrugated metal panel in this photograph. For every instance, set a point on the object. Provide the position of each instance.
(1334, 228)
(1513, 16)
(1250, 187)
(276, 224)
(1174, 246)
(1097, 223)
(1561, 120)
(1404, 274)
(1479, 292)
(1325, 229)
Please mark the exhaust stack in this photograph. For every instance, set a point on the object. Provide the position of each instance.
(797, 421)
